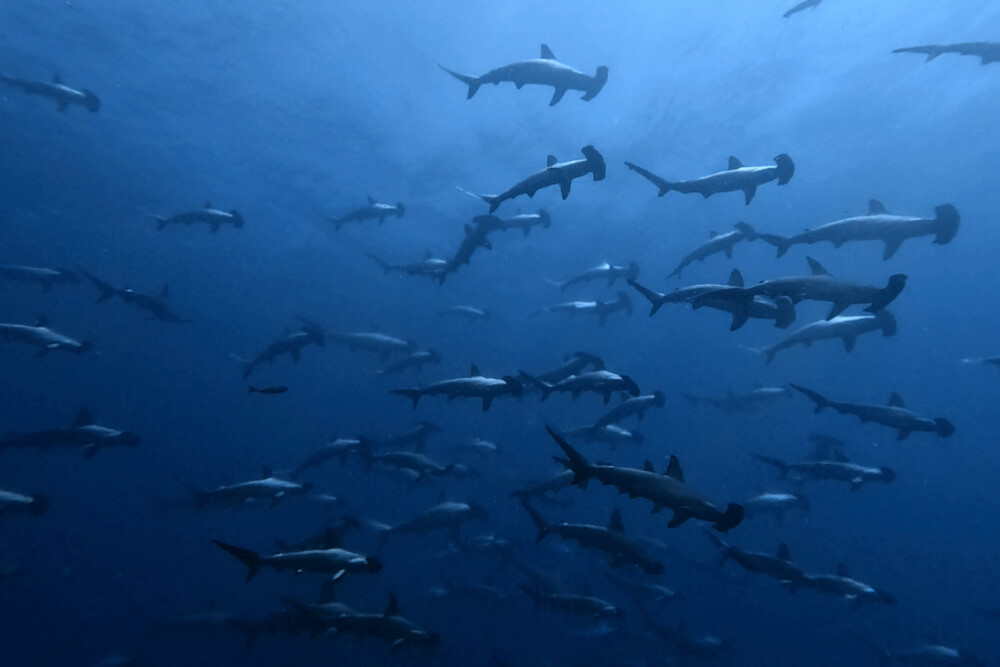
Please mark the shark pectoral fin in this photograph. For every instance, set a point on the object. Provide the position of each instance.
(487, 402)
(556, 96)
(748, 194)
(564, 187)
(856, 483)
(849, 342)
(837, 309)
(891, 246)
(678, 518)
(729, 252)
(740, 318)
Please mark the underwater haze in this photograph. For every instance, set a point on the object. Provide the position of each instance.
(233, 241)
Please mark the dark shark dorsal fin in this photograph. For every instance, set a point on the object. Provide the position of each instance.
(266, 472)
(875, 207)
(371, 200)
(734, 162)
(896, 401)
(165, 292)
(648, 466)
(674, 469)
(616, 524)
(712, 234)
(840, 457)
(83, 418)
(208, 204)
(392, 609)
(783, 552)
(736, 279)
(474, 371)
(56, 78)
(842, 570)
(427, 253)
(550, 160)
(817, 268)
(41, 321)
(442, 497)
(547, 53)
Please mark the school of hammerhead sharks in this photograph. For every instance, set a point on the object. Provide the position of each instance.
(631, 565)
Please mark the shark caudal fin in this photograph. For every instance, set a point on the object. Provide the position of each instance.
(386, 267)
(540, 523)
(663, 186)
(931, 52)
(820, 401)
(107, 291)
(542, 386)
(732, 517)
(654, 298)
(786, 168)
(471, 81)
(781, 243)
(777, 463)
(574, 460)
(493, 200)
(947, 218)
(400, 209)
(888, 293)
(412, 394)
(249, 558)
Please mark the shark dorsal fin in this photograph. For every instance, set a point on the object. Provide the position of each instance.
(427, 253)
(551, 160)
(817, 268)
(736, 278)
(840, 457)
(56, 78)
(392, 609)
(674, 469)
(616, 524)
(648, 466)
(371, 200)
(783, 552)
(165, 292)
(474, 371)
(896, 401)
(712, 234)
(734, 162)
(41, 321)
(208, 204)
(842, 570)
(547, 53)
(83, 418)
(875, 207)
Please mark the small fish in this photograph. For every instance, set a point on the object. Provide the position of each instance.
(277, 389)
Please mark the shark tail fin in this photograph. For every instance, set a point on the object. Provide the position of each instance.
(378, 260)
(412, 394)
(107, 291)
(777, 463)
(781, 243)
(540, 523)
(542, 386)
(574, 460)
(251, 559)
(471, 81)
(817, 398)
(948, 219)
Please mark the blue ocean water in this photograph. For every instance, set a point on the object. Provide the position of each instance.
(293, 113)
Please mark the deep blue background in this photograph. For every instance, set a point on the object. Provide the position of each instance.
(292, 113)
